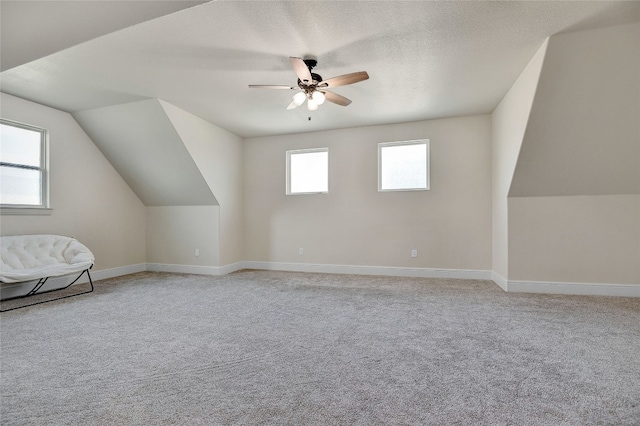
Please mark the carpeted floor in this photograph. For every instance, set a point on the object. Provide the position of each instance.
(258, 347)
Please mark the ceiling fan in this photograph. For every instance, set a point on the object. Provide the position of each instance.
(313, 86)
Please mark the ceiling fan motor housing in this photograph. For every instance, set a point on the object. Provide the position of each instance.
(317, 78)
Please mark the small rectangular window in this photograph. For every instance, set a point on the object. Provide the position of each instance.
(308, 171)
(23, 166)
(403, 166)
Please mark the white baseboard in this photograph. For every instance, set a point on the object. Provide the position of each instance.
(370, 270)
(195, 269)
(18, 289)
(232, 267)
(569, 288)
(183, 269)
(513, 286)
(578, 289)
(499, 280)
(104, 274)
(306, 267)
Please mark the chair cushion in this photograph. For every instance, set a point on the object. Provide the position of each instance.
(28, 257)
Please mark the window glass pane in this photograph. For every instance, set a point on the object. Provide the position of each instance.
(20, 146)
(20, 186)
(309, 172)
(403, 166)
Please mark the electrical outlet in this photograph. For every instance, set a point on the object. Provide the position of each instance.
(300, 250)
(197, 253)
(414, 253)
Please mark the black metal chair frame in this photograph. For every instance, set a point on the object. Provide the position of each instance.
(41, 283)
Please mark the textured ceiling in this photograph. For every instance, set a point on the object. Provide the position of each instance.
(425, 59)
(33, 29)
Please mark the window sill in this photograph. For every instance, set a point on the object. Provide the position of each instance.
(25, 211)
(307, 193)
(403, 190)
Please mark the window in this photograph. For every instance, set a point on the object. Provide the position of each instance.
(403, 166)
(23, 166)
(308, 171)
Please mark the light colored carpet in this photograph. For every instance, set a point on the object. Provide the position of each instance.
(258, 347)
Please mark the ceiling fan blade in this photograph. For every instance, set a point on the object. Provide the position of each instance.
(301, 70)
(268, 86)
(343, 80)
(335, 98)
(292, 105)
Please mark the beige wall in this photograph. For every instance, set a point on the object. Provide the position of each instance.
(175, 232)
(508, 123)
(354, 224)
(585, 239)
(90, 200)
(575, 231)
(573, 202)
(218, 156)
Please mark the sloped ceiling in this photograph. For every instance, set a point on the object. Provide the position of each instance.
(34, 29)
(142, 144)
(583, 133)
(426, 59)
(107, 62)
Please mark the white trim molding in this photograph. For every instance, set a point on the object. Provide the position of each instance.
(395, 271)
(183, 269)
(510, 286)
(195, 269)
(569, 288)
(578, 289)
(499, 280)
(104, 274)
(8, 291)
(232, 267)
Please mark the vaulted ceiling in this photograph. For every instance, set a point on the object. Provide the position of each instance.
(425, 59)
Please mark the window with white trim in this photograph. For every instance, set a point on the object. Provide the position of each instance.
(23, 166)
(403, 166)
(308, 171)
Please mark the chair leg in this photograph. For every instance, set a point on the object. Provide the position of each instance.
(39, 285)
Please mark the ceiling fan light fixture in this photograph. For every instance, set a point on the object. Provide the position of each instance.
(313, 87)
(312, 105)
(318, 97)
(299, 98)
